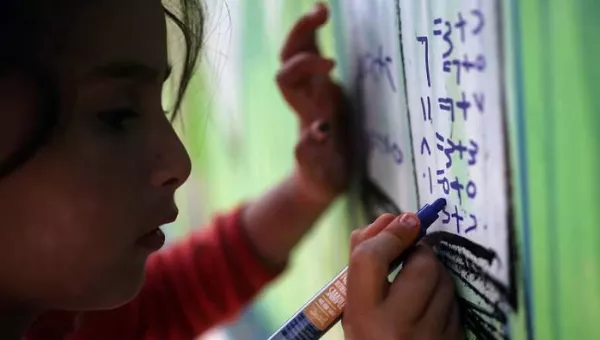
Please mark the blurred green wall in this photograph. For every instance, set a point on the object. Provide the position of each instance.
(241, 136)
(555, 119)
(239, 155)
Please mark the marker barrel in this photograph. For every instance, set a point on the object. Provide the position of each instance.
(315, 318)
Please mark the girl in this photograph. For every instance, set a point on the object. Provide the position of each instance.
(90, 165)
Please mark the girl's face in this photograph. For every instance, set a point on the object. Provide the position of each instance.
(73, 218)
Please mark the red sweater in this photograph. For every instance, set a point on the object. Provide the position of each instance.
(190, 287)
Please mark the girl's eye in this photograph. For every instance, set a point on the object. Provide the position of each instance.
(116, 119)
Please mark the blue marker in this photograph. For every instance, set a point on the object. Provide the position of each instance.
(325, 309)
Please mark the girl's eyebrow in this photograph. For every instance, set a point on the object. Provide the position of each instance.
(129, 70)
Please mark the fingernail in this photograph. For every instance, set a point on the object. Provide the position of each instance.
(320, 131)
(315, 9)
(408, 221)
(324, 127)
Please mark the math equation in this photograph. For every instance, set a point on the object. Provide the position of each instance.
(453, 75)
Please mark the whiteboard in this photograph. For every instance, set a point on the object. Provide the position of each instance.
(428, 81)
(374, 73)
(458, 125)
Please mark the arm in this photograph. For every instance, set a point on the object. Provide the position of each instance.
(276, 222)
(215, 273)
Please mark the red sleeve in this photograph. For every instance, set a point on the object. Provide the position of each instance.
(191, 286)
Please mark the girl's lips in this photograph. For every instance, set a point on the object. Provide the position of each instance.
(153, 240)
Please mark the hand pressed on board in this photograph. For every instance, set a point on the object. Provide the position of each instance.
(305, 82)
(419, 304)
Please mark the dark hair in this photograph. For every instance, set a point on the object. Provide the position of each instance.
(19, 24)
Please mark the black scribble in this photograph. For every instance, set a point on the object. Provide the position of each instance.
(477, 250)
(487, 316)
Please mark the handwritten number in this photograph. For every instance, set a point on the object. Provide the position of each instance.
(448, 40)
(449, 151)
(375, 66)
(388, 61)
(446, 219)
(447, 104)
(397, 153)
(458, 65)
(430, 181)
(471, 190)
(473, 152)
(440, 147)
(480, 63)
(425, 41)
(382, 143)
(479, 99)
(479, 15)
(473, 226)
(447, 64)
(381, 64)
(469, 22)
(443, 181)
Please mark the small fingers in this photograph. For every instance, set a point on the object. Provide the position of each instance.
(314, 154)
(371, 259)
(305, 149)
(312, 142)
(453, 328)
(303, 67)
(414, 286)
(302, 36)
(320, 130)
(442, 302)
(363, 234)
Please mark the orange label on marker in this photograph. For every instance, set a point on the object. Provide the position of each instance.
(326, 307)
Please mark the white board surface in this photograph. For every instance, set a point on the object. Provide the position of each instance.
(453, 66)
(375, 72)
(428, 76)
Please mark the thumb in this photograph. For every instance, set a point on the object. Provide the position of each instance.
(370, 261)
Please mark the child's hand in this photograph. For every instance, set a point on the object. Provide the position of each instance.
(419, 304)
(307, 87)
